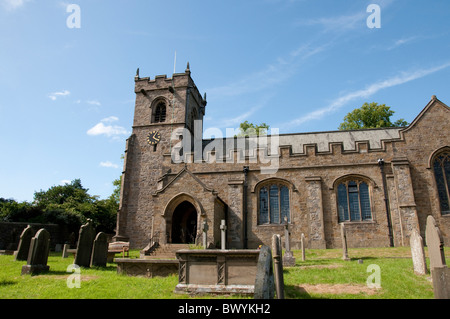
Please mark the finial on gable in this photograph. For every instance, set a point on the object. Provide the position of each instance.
(137, 74)
(433, 97)
(188, 70)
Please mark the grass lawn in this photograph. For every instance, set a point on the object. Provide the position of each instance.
(323, 275)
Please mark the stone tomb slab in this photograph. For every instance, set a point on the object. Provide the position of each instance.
(147, 267)
(217, 271)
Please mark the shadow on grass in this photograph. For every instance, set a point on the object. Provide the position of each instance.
(298, 292)
(6, 282)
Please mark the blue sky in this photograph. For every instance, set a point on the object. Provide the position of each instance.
(67, 94)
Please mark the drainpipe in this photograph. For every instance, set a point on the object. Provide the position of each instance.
(245, 212)
(386, 202)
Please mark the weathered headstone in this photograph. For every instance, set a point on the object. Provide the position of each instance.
(264, 283)
(100, 250)
(278, 266)
(435, 244)
(344, 243)
(38, 253)
(418, 253)
(24, 244)
(440, 273)
(223, 234)
(441, 282)
(288, 258)
(205, 229)
(85, 243)
(65, 252)
(303, 247)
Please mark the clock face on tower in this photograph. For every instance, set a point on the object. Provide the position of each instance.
(153, 138)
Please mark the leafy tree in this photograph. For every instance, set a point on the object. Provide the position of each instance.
(70, 205)
(371, 115)
(115, 196)
(250, 129)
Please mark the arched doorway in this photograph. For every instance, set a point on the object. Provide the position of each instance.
(184, 224)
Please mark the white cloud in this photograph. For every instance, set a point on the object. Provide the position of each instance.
(93, 102)
(11, 5)
(64, 182)
(55, 95)
(110, 119)
(402, 78)
(113, 131)
(109, 164)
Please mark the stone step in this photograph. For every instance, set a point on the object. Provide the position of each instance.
(167, 251)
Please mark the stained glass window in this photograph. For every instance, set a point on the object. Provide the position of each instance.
(274, 204)
(353, 201)
(441, 167)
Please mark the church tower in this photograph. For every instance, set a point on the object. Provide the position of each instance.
(164, 107)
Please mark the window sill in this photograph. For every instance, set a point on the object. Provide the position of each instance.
(273, 225)
(358, 222)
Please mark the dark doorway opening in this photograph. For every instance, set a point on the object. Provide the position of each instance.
(184, 224)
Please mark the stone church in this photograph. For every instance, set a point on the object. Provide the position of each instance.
(381, 183)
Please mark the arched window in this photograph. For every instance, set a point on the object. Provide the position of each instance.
(160, 113)
(274, 204)
(353, 201)
(441, 166)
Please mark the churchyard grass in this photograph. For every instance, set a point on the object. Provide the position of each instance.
(323, 275)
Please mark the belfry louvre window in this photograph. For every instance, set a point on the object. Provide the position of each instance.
(354, 201)
(274, 204)
(160, 113)
(441, 168)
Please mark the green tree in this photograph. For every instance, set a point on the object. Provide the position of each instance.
(250, 129)
(371, 115)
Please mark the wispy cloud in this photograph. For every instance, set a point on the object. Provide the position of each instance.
(53, 96)
(399, 79)
(108, 164)
(103, 128)
(283, 68)
(345, 22)
(94, 102)
(339, 23)
(11, 5)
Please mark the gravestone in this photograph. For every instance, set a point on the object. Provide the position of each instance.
(100, 250)
(38, 253)
(24, 244)
(440, 273)
(344, 243)
(264, 282)
(288, 258)
(435, 244)
(85, 243)
(278, 266)
(418, 253)
(303, 247)
(205, 229)
(223, 234)
(58, 248)
(65, 252)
